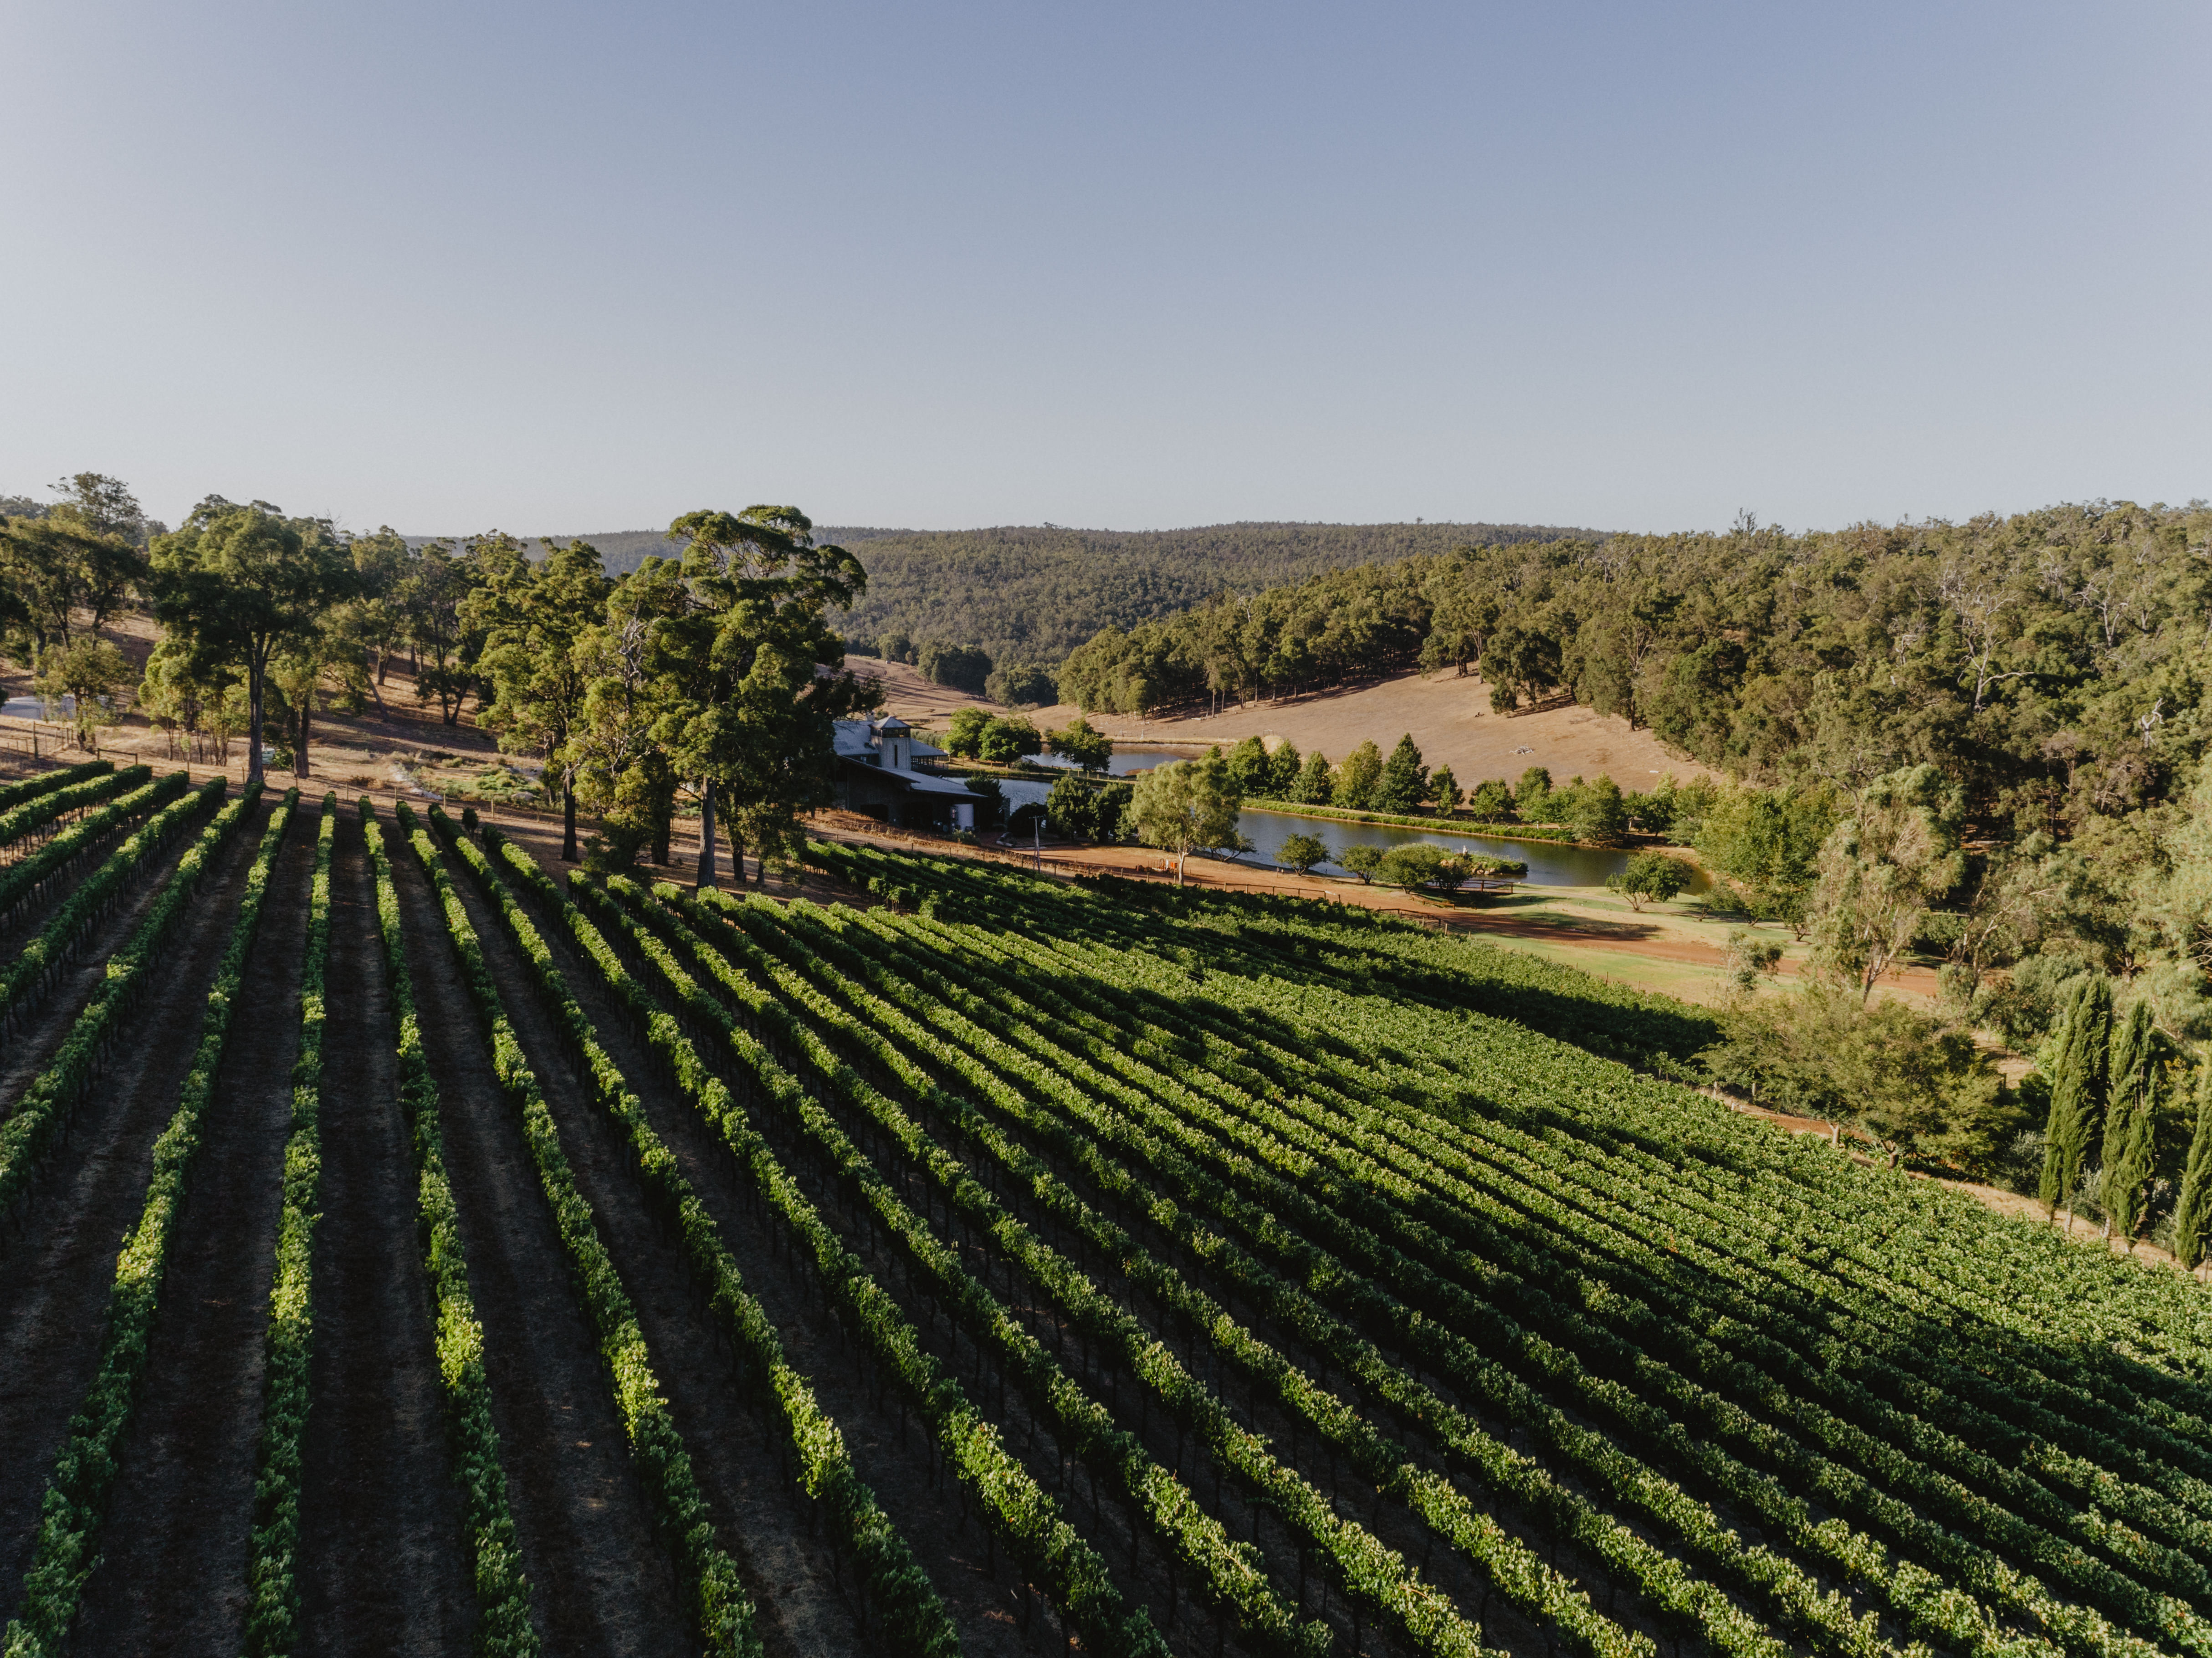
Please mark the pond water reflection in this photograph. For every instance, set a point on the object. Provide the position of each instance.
(1550, 864)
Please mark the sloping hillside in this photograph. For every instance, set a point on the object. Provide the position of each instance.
(1449, 719)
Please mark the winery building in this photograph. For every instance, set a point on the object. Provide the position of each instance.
(883, 770)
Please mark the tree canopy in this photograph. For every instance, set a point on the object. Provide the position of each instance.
(240, 584)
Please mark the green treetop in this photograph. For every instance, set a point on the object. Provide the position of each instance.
(1315, 783)
(2080, 1076)
(540, 678)
(1356, 779)
(1404, 783)
(2192, 1215)
(241, 583)
(1090, 749)
(1185, 806)
(739, 638)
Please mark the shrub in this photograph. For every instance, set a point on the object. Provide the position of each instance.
(1533, 795)
(1411, 866)
(965, 736)
(1599, 814)
(1444, 790)
(1081, 811)
(1360, 861)
(1650, 877)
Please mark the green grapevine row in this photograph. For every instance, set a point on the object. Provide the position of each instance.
(1371, 1571)
(28, 977)
(1509, 1154)
(22, 882)
(1360, 1141)
(76, 1496)
(44, 807)
(1526, 1581)
(13, 795)
(45, 1106)
(720, 1611)
(2167, 1620)
(904, 1610)
(503, 1625)
(272, 1595)
(1487, 1460)
(1364, 1233)
(1823, 1616)
(1018, 1510)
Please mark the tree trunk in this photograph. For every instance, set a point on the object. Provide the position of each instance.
(300, 750)
(738, 856)
(706, 881)
(660, 837)
(1182, 858)
(253, 771)
(568, 822)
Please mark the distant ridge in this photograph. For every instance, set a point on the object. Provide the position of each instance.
(1034, 592)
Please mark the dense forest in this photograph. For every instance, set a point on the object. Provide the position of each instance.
(2052, 661)
(1031, 594)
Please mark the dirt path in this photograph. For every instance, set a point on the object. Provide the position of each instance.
(171, 1576)
(57, 1258)
(600, 1582)
(757, 1515)
(46, 1019)
(383, 1570)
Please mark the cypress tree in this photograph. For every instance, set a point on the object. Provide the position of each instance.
(2129, 1121)
(1405, 781)
(2193, 1220)
(2132, 1057)
(2077, 1088)
(2052, 1187)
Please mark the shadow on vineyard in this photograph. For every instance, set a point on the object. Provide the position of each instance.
(1006, 1266)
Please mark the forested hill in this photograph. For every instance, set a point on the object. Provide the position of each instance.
(1034, 593)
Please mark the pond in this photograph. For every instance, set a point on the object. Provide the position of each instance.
(1550, 864)
(1134, 758)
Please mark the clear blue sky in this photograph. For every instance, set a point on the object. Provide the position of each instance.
(583, 267)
